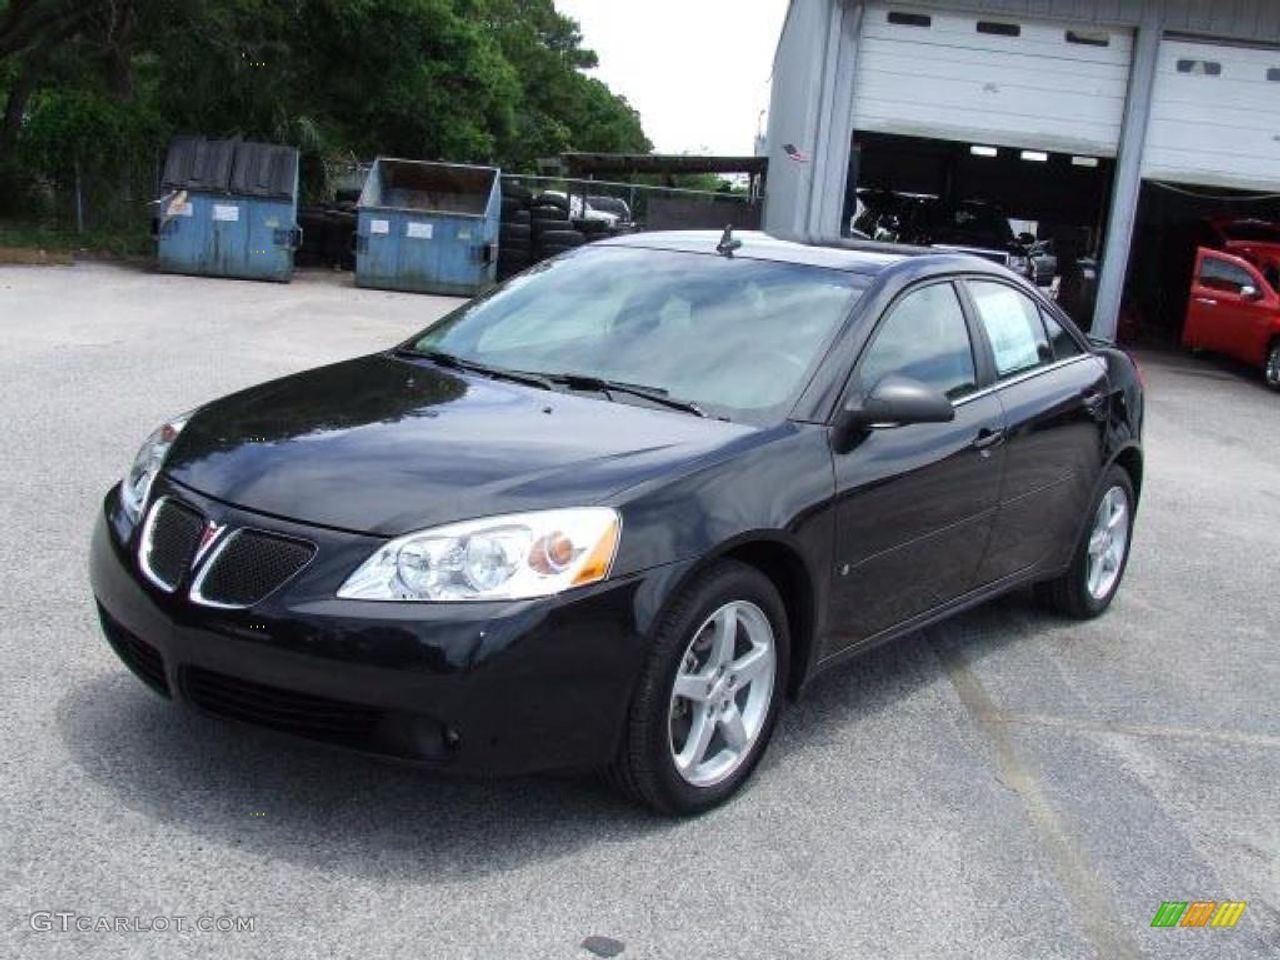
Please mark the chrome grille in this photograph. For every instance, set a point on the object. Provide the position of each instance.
(248, 566)
(170, 540)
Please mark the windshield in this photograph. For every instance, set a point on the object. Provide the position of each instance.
(736, 337)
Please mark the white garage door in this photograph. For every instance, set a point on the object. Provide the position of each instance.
(1215, 116)
(995, 80)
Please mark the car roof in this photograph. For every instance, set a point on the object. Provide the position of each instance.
(867, 257)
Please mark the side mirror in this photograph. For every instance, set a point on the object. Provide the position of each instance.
(895, 401)
(1250, 292)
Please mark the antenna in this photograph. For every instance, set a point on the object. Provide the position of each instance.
(727, 243)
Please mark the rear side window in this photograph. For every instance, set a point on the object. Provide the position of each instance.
(1222, 275)
(1064, 344)
(925, 338)
(1012, 324)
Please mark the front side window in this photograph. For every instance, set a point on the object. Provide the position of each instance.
(1011, 321)
(739, 337)
(1064, 344)
(924, 337)
(1224, 276)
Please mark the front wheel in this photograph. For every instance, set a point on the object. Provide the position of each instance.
(709, 695)
(1100, 560)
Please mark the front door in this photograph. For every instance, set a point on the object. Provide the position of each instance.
(1231, 307)
(915, 503)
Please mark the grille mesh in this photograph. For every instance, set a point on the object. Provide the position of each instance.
(174, 539)
(251, 565)
(303, 714)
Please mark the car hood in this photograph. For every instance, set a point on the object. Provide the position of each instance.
(386, 445)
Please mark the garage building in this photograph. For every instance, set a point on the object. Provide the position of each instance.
(1118, 128)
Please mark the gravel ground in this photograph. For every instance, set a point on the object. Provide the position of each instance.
(1005, 785)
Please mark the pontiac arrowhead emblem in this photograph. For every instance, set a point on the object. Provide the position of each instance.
(208, 537)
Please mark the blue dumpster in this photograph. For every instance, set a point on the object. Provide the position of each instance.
(228, 208)
(428, 227)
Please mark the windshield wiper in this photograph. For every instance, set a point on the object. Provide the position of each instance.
(442, 359)
(580, 381)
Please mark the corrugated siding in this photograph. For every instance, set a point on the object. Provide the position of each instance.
(1257, 20)
(1248, 20)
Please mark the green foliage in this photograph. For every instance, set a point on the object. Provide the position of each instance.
(69, 127)
(103, 84)
(559, 108)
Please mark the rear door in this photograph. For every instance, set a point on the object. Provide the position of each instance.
(915, 503)
(1054, 395)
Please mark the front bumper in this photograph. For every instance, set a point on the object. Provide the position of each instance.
(500, 688)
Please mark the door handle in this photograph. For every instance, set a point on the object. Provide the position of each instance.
(1207, 301)
(1093, 400)
(986, 439)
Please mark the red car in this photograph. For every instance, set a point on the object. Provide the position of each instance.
(1235, 309)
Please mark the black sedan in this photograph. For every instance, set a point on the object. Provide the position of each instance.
(612, 514)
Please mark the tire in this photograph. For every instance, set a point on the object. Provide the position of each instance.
(515, 231)
(547, 212)
(520, 218)
(509, 268)
(517, 191)
(646, 766)
(591, 227)
(1272, 370)
(511, 206)
(1071, 594)
(561, 238)
(552, 200)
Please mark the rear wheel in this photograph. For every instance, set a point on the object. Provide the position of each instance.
(709, 695)
(1273, 366)
(1091, 583)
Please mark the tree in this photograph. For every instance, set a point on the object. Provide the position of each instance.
(497, 81)
(560, 109)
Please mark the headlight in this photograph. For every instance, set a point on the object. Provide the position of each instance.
(515, 557)
(137, 482)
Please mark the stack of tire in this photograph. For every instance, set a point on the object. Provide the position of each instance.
(593, 230)
(537, 227)
(553, 232)
(515, 236)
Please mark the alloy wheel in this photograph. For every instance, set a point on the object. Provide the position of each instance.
(1273, 367)
(1108, 543)
(722, 692)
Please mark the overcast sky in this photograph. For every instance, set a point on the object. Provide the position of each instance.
(697, 70)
